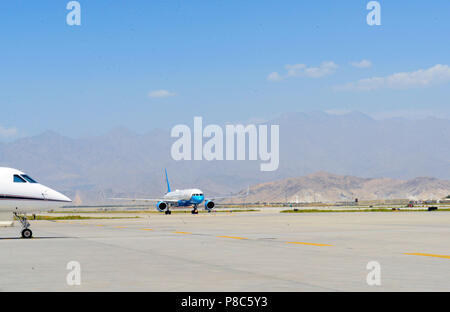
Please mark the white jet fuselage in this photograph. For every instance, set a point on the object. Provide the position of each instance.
(18, 190)
(185, 197)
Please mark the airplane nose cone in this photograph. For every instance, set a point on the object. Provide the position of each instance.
(64, 198)
(56, 196)
(198, 199)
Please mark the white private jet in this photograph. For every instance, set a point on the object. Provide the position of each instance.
(179, 198)
(18, 190)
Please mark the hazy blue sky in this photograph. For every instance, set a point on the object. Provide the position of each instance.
(147, 64)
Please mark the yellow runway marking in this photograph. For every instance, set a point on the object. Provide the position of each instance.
(427, 255)
(146, 229)
(182, 232)
(121, 227)
(309, 244)
(233, 237)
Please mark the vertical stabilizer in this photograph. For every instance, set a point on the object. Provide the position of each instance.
(167, 180)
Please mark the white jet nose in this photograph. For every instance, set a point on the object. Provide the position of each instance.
(53, 195)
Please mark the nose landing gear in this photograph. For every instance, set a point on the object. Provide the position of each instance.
(26, 232)
(195, 210)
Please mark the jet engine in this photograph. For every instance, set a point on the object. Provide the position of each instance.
(161, 206)
(209, 204)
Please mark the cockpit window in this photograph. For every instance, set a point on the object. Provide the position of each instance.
(19, 179)
(27, 177)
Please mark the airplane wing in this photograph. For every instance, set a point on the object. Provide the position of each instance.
(145, 199)
(230, 196)
(220, 197)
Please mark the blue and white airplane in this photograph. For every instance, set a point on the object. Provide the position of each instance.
(178, 198)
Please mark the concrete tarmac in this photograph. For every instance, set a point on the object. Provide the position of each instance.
(255, 251)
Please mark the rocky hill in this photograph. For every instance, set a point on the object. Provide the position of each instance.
(326, 187)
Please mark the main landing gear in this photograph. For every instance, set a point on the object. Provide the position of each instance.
(195, 210)
(168, 212)
(26, 232)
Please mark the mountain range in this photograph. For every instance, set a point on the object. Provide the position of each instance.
(124, 163)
